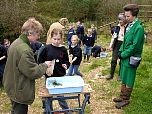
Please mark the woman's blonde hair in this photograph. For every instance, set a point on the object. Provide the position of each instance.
(32, 26)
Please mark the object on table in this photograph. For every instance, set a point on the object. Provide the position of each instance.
(103, 54)
(67, 84)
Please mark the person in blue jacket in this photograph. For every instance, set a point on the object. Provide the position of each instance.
(71, 32)
(88, 42)
(94, 31)
(3, 58)
(80, 32)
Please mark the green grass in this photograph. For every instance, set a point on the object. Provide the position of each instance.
(141, 96)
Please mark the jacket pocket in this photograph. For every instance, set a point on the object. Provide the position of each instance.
(26, 93)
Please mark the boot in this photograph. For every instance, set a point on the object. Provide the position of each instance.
(1, 83)
(119, 105)
(118, 78)
(126, 97)
(43, 102)
(88, 58)
(110, 77)
(120, 98)
(84, 58)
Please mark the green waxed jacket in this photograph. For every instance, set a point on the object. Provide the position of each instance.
(21, 70)
(133, 43)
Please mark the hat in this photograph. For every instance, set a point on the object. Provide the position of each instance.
(121, 16)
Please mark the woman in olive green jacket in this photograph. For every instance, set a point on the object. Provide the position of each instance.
(131, 46)
(21, 69)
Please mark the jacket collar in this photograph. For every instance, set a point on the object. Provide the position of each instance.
(25, 39)
(130, 25)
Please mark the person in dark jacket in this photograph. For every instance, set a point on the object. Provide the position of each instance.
(71, 32)
(75, 54)
(116, 41)
(88, 42)
(80, 32)
(96, 50)
(6, 43)
(55, 51)
(21, 69)
(36, 46)
(3, 58)
(94, 31)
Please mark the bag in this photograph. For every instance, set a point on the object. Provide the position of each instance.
(134, 61)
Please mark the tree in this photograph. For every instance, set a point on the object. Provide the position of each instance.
(13, 13)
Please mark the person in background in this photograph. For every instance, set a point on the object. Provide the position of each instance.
(36, 46)
(3, 57)
(116, 41)
(71, 32)
(75, 54)
(58, 53)
(130, 54)
(60, 25)
(88, 42)
(6, 43)
(80, 32)
(21, 69)
(96, 50)
(94, 31)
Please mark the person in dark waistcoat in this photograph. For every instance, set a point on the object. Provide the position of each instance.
(116, 41)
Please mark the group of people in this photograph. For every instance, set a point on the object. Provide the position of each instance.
(22, 68)
(86, 39)
(127, 45)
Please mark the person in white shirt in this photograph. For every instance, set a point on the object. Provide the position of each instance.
(116, 41)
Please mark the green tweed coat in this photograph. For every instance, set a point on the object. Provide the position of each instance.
(20, 72)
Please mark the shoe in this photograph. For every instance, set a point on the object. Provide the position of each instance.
(88, 61)
(117, 100)
(118, 78)
(1, 84)
(124, 103)
(109, 77)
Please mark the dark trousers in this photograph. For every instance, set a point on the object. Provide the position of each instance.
(115, 57)
(49, 106)
(18, 108)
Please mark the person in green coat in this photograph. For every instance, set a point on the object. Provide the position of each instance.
(21, 69)
(132, 46)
